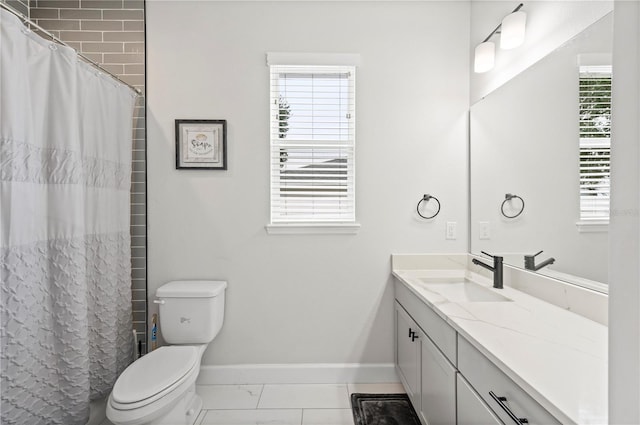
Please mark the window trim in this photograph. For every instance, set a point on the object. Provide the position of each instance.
(313, 228)
(350, 226)
(592, 226)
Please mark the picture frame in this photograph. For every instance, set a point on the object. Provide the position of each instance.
(201, 144)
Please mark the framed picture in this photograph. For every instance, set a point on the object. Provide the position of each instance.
(201, 144)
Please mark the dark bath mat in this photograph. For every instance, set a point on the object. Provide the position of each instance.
(383, 409)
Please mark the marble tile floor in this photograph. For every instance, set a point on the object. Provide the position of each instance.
(282, 404)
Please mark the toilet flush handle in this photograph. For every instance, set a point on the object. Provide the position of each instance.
(158, 301)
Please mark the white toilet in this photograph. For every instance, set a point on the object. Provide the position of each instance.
(159, 388)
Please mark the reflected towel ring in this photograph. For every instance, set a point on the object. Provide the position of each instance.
(426, 199)
(508, 197)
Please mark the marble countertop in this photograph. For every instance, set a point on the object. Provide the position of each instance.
(558, 357)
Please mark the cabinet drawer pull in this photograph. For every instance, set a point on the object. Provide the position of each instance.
(501, 403)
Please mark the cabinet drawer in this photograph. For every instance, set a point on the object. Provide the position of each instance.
(443, 335)
(485, 377)
(472, 410)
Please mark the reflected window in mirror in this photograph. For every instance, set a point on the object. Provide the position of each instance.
(595, 146)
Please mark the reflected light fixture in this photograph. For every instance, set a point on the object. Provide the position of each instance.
(485, 57)
(511, 32)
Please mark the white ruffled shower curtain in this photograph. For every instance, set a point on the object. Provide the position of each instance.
(65, 175)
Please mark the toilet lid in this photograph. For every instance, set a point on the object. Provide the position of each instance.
(155, 372)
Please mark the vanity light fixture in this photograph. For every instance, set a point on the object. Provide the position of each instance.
(485, 57)
(513, 27)
(511, 32)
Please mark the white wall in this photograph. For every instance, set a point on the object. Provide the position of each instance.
(549, 25)
(524, 140)
(624, 254)
(305, 298)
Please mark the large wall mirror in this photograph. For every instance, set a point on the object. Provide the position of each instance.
(527, 139)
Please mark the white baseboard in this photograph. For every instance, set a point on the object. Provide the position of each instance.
(331, 373)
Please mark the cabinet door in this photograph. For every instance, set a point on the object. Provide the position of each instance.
(471, 409)
(408, 354)
(438, 386)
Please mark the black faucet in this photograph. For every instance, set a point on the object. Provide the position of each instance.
(496, 269)
(530, 262)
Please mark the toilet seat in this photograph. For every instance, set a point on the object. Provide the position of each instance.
(155, 375)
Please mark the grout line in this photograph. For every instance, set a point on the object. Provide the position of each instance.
(201, 416)
(260, 396)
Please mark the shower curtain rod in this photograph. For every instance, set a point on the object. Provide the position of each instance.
(28, 21)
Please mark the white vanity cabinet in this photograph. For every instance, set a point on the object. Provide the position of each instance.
(428, 375)
(447, 379)
(497, 355)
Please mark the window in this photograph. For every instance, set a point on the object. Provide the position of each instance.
(595, 143)
(312, 145)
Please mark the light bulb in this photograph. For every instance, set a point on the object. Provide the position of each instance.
(512, 30)
(485, 55)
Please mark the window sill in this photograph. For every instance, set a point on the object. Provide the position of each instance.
(313, 229)
(592, 226)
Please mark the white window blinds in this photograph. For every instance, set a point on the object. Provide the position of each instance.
(312, 144)
(595, 141)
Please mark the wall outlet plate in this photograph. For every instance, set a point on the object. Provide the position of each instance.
(485, 230)
(451, 232)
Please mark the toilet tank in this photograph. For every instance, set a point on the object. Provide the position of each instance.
(191, 311)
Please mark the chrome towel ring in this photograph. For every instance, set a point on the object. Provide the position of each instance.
(508, 197)
(426, 198)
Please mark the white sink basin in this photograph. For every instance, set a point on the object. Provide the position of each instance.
(462, 291)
